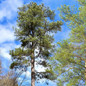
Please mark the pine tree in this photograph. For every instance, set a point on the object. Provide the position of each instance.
(35, 25)
(70, 56)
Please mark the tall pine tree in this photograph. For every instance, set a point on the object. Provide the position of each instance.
(70, 57)
(35, 25)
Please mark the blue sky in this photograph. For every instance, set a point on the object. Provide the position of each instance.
(8, 16)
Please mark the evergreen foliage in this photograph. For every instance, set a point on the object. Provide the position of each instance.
(70, 57)
(35, 25)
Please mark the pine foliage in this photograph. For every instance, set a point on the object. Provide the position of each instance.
(70, 57)
(35, 26)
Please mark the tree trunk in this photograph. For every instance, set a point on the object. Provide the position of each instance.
(32, 70)
(85, 70)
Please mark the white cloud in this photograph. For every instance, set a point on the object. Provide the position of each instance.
(27, 73)
(4, 53)
(39, 68)
(6, 34)
(8, 8)
(4, 50)
(6, 40)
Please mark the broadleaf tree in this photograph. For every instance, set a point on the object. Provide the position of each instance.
(70, 58)
(35, 25)
(7, 78)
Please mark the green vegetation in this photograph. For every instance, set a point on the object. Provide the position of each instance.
(70, 57)
(35, 26)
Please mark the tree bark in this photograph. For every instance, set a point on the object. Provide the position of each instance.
(85, 70)
(32, 70)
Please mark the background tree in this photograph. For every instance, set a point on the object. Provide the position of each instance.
(35, 25)
(70, 56)
(7, 79)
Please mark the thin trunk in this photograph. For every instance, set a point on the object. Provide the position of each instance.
(32, 61)
(32, 70)
(85, 70)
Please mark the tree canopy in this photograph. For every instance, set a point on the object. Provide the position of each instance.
(70, 58)
(35, 25)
